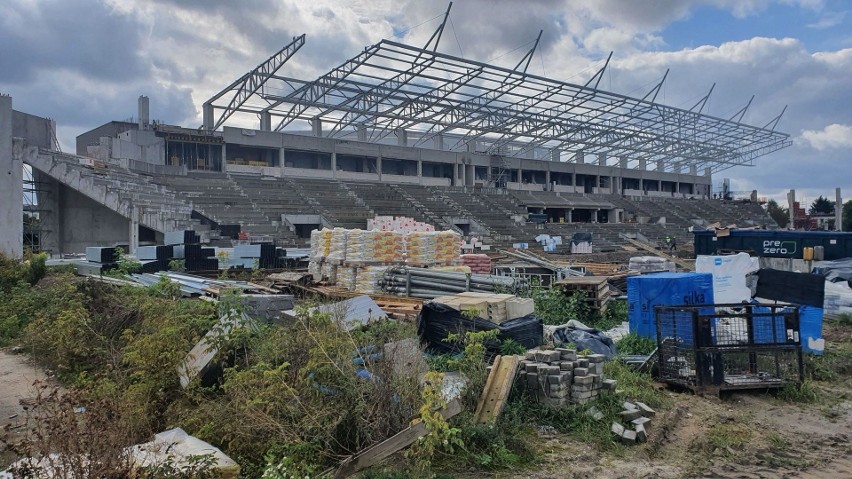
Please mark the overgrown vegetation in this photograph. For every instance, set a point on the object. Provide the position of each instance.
(634, 344)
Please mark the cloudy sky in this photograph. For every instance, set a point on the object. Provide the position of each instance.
(85, 62)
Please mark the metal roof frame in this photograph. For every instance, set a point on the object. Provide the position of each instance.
(392, 86)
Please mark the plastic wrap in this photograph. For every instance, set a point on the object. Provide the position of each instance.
(447, 247)
(314, 270)
(371, 247)
(337, 246)
(664, 289)
(478, 263)
(367, 278)
(420, 248)
(320, 244)
(329, 272)
(346, 277)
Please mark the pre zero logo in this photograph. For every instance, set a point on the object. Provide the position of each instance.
(779, 247)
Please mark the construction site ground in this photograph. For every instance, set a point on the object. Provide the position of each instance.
(740, 435)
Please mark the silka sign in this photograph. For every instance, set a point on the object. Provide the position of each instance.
(775, 247)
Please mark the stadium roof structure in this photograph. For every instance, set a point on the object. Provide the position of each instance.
(392, 86)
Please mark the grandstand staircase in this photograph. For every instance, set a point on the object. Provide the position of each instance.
(118, 189)
(435, 219)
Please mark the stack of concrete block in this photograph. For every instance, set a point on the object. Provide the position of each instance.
(559, 377)
(637, 417)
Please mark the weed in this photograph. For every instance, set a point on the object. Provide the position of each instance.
(725, 437)
(635, 344)
(777, 441)
(511, 347)
(805, 392)
(636, 386)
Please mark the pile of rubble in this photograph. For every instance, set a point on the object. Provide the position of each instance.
(561, 376)
(638, 417)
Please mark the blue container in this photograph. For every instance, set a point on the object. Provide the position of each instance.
(666, 289)
(810, 329)
(762, 326)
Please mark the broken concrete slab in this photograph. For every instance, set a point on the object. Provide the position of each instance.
(641, 433)
(628, 437)
(617, 430)
(646, 411)
(629, 415)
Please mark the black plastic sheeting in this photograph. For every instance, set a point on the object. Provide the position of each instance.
(438, 320)
(836, 271)
(581, 236)
(796, 288)
(591, 339)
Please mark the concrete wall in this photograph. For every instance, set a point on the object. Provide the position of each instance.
(111, 129)
(83, 222)
(11, 187)
(37, 130)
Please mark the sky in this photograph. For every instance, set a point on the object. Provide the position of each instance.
(85, 62)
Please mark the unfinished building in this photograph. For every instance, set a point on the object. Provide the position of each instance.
(400, 130)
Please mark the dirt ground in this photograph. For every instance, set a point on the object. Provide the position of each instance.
(747, 435)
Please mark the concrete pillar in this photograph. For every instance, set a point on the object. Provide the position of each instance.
(333, 164)
(438, 142)
(659, 185)
(791, 200)
(401, 137)
(547, 178)
(419, 171)
(595, 216)
(602, 159)
(207, 116)
(379, 167)
(282, 159)
(574, 181)
(643, 164)
(555, 155)
(838, 210)
(265, 121)
(362, 132)
(133, 241)
(144, 112)
(707, 172)
(661, 166)
(579, 157)
(622, 162)
(11, 187)
(693, 170)
(570, 218)
(316, 126)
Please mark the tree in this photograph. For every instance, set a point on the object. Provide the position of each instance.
(847, 216)
(778, 214)
(822, 205)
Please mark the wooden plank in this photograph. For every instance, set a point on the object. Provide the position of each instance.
(378, 452)
(496, 389)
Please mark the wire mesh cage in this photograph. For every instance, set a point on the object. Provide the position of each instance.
(729, 346)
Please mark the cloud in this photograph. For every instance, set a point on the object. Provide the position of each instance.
(833, 136)
(828, 20)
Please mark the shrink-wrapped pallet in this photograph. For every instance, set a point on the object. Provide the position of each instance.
(479, 263)
(447, 247)
(421, 248)
(320, 244)
(329, 272)
(367, 279)
(371, 247)
(346, 277)
(314, 270)
(337, 246)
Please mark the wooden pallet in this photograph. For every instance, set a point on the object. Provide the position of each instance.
(497, 388)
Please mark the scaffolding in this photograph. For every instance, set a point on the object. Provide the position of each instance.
(32, 212)
(391, 87)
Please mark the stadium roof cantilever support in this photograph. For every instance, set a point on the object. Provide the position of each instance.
(656, 90)
(599, 74)
(774, 121)
(742, 111)
(529, 56)
(248, 85)
(703, 101)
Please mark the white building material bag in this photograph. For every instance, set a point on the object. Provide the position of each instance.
(729, 275)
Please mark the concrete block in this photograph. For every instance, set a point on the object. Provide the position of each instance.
(531, 367)
(609, 384)
(596, 358)
(641, 433)
(565, 377)
(581, 395)
(595, 413)
(642, 421)
(566, 365)
(583, 363)
(542, 356)
(569, 355)
(582, 388)
(629, 406)
(596, 380)
(532, 380)
(596, 368)
(553, 356)
(549, 370)
(617, 430)
(530, 355)
(628, 437)
(580, 372)
(646, 411)
(558, 393)
(630, 415)
(522, 378)
(583, 379)
(554, 380)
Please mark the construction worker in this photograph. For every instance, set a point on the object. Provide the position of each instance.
(672, 246)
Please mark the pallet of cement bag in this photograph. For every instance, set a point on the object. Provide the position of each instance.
(497, 308)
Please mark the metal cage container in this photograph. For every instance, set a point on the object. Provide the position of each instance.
(716, 347)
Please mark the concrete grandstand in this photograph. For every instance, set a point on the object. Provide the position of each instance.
(398, 130)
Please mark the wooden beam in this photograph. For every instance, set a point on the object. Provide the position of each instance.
(378, 452)
(497, 388)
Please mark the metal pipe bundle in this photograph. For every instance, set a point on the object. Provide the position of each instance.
(424, 283)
